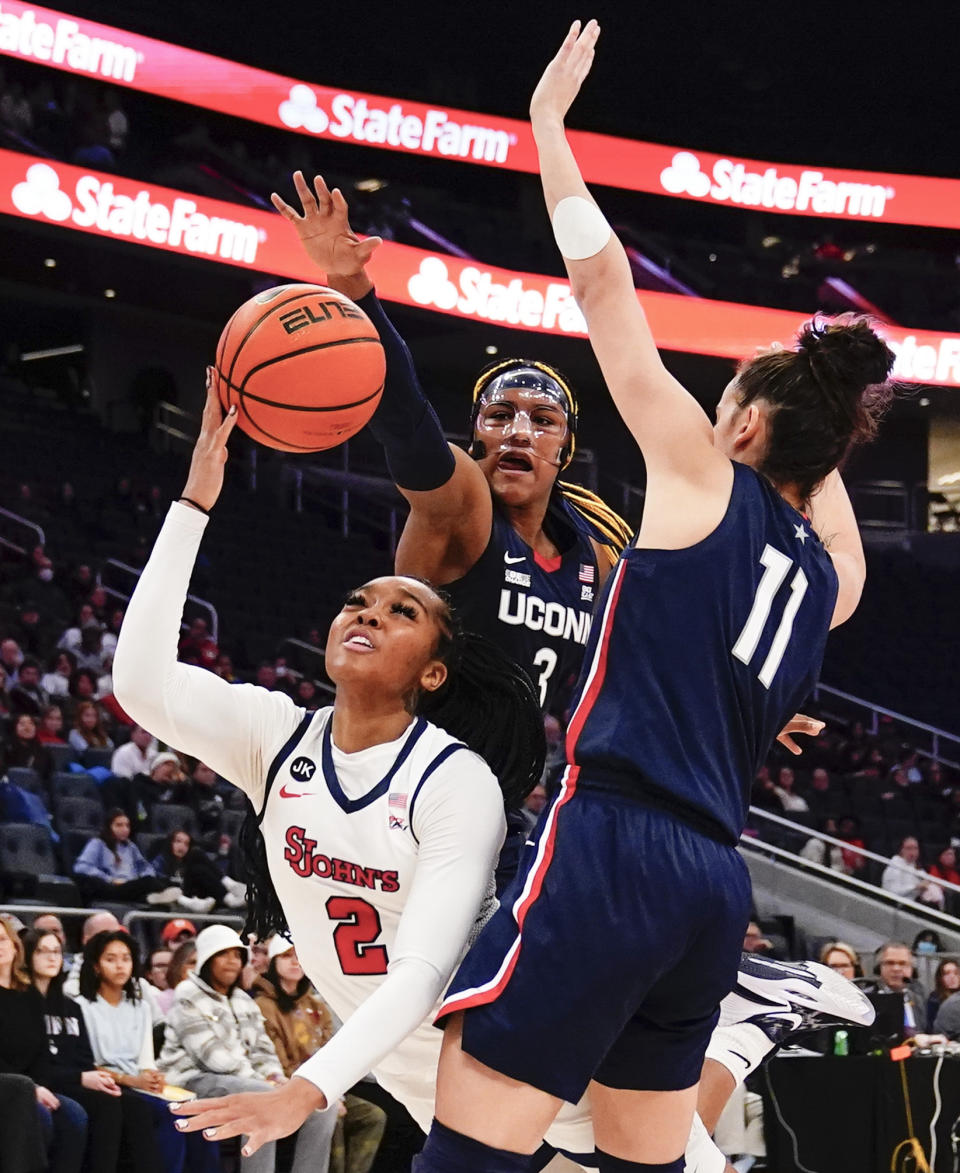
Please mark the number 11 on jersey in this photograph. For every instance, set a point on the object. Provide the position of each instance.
(776, 568)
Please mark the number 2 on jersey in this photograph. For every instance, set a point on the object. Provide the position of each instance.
(353, 938)
(546, 661)
(776, 568)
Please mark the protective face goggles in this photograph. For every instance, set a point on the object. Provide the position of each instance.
(539, 404)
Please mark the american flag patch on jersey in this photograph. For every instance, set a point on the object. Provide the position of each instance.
(397, 803)
(586, 572)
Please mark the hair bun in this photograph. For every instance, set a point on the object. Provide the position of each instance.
(846, 353)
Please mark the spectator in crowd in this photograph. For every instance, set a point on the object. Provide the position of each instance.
(945, 868)
(783, 788)
(120, 1028)
(267, 677)
(110, 867)
(908, 761)
(23, 1051)
(162, 783)
(71, 639)
(216, 1044)
(88, 731)
(854, 861)
(50, 729)
(185, 865)
(4, 712)
(23, 748)
(198, 642)
(817, 850)
(533, 804)
(114, 623)
(11, 657)
(946, 983)
(183, 961)
(176, 931)
(83, 687)
(299, 1023)
(136, 756)
(70, 1062)
(30, 631)
(258, 958)
(118, 125)
(818, 791)
(41, 588)
(97, 922)
(49, 922)
(55, 682)
(80, 582)
(755, 942)
(895, 976)
(306, 695)
(27, 696)
(902, 876)
(99, 602)
(207, 797)
(224, 668)
(23, 1149)
(158, 963)
(90, 652)
(842, 959)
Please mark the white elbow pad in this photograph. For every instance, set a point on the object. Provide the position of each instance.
(579, 228)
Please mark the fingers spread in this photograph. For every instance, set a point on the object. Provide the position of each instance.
(323, 192)
(284, 208)
(304, 192)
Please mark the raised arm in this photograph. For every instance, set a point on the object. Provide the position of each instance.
(235, 728)
(450, 508)
(832, 516)
(668, 424)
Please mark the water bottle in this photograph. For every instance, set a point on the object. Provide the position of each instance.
(841, 1043)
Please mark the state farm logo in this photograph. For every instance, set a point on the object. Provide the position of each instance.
(64, 43)
(476, 294)
(97, 205)
(805, 191)
(353, 117)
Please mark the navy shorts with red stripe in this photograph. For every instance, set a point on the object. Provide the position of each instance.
(610, 952)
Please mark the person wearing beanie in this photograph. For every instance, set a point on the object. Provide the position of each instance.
(216, 1043)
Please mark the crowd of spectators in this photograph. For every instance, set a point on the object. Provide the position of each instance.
(92, 1053)
(867, 792)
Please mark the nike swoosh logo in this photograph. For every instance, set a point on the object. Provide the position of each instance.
(284, 793)
(746, 1061)
(510, 561)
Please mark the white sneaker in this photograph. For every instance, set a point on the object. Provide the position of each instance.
(235, 899)
(198, 903)
(166, 896)
(783, 998)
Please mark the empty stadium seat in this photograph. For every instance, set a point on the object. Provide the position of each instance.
(66, 785)
(97, 757)
(76, 813)
(62, 755)
(167, 817)
(27, 858)
(26, 779)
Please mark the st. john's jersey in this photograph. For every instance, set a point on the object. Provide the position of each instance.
(343, 852)
(537, 610)
(698, 657)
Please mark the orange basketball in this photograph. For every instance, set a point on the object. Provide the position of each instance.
(304, 366)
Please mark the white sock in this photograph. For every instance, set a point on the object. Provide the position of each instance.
(741, 1048)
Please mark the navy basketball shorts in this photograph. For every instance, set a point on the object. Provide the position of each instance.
(610, 952)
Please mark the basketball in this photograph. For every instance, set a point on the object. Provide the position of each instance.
(303, 365)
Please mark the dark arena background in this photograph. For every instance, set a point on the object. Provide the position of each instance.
(760, 164)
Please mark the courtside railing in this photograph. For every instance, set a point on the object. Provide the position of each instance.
(123, 595)
(13, 530)
(930, 741)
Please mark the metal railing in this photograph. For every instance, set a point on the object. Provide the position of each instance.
(799, 829)
(116, 593)
(211, 918)
(937, 737)
(318, 675)
(169, 420)
(10, 517)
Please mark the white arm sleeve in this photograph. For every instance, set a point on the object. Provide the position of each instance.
(237, 729)
(460, 825)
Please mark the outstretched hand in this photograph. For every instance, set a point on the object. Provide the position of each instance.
(260, 1116)
(324, 228)
(563, 77)
(205, 479)
(799, 724)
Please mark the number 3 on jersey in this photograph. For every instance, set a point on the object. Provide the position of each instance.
(546, 661)
(776, 568)
(354, 936)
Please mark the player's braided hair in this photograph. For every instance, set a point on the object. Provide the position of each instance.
(487, 701)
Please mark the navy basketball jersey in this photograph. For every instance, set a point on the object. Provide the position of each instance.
(537, 610)
(698, 657)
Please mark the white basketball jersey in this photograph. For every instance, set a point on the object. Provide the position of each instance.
(344, 899)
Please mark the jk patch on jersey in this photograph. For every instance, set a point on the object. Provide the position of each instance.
(303, 769)
(516, 577)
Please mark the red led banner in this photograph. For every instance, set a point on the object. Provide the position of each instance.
(146, 214)
(156, 67)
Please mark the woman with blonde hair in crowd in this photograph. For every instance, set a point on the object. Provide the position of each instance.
(842, 958)
(23, 1051)
(299, 1023)
(88, 731)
